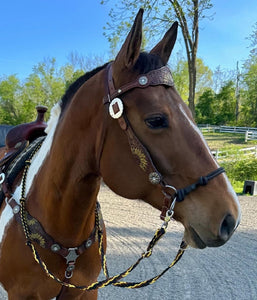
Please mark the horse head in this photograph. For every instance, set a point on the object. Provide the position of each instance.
(164, 125)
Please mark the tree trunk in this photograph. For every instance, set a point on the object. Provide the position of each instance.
(191, 43)
(192, 83)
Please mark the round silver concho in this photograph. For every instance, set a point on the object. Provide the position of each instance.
(116, 108)
(154, 178)
(55, 247)
(16, 209)
(88, 243)
(143, 80)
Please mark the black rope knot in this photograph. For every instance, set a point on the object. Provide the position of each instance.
(203, 180)
(180, 195)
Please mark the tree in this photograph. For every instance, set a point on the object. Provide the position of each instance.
(45, 85)
(226, 104)
(217, 108)
(181, 78)
(249, 94)
(205, 110)
(10, 89)
(163, 12)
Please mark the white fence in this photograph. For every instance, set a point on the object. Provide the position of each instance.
(250, 132)
(235, 129)
(250, 135)
(229, 155)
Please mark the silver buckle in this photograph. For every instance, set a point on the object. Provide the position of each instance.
(170, 211)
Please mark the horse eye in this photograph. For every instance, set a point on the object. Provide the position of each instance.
(157, 122)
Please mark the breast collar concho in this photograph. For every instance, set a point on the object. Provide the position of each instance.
(161, 76)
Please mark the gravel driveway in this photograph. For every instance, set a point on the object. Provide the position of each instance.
(228, 272)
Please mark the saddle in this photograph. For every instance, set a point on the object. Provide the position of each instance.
(20, 136)
(20, 142)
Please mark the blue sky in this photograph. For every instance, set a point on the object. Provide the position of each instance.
(33, 30)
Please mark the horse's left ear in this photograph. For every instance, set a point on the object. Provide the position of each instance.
(164, 47)
(130, 50)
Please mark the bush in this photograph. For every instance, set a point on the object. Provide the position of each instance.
(240, 170)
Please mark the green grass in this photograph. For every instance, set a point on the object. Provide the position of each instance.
(225, 141)
(240, 169)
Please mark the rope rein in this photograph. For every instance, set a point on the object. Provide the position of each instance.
(113, 280)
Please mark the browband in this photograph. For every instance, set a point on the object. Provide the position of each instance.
(161, 76)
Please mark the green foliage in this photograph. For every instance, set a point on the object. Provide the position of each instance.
(181, 77)
(45, 85)
(240, 170)
(248, 116)
(217, 109)
(10, 100)
(205, 107)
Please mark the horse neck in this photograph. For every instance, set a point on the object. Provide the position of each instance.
(64, 192)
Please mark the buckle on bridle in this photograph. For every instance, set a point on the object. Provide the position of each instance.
(169, 210)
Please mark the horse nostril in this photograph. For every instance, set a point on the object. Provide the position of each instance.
(227, 227)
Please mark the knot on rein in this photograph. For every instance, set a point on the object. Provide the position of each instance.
(202, 181)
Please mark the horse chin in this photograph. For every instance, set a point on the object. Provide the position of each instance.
(193, 239)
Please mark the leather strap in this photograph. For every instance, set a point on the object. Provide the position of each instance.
(38, 234)
(161, 76)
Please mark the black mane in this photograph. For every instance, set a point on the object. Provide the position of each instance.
(146, 62)
(73, 88)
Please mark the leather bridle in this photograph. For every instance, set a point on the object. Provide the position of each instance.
(161, 76)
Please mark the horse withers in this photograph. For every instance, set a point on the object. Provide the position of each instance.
(126, 123)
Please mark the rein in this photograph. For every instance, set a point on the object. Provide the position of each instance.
(21, 215)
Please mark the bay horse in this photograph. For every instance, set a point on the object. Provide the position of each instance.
(124, 123)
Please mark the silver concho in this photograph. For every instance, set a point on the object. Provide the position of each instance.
(116, 108)
(16, 209)
(154, 178)
(55, 247)
(143, 80)
(88, 243)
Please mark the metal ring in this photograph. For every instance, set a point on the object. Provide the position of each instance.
(171, 187)
(2, 178)
(8, 200)
(68, 275)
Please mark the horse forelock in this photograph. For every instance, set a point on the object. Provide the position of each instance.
(147, 62)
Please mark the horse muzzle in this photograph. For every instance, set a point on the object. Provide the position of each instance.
(201, 238)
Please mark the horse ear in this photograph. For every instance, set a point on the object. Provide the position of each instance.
(164, 47)
(130, 50)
